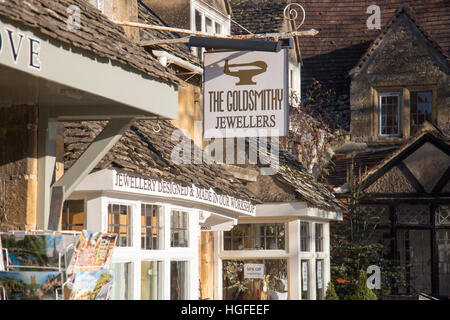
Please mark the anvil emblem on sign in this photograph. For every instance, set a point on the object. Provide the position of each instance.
(245, 75)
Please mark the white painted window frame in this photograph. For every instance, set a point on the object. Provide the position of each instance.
(135, 255)
(399, 113)
(211, 14)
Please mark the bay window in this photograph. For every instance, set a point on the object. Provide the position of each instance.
(255, 236)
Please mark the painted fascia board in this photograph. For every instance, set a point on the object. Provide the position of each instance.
(83, 71)
(103, 181)
(295, 209)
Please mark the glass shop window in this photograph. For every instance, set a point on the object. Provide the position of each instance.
(421, 107)
(257, 236)
(305, 280)
(179, 229)
(319, 237)
(152, 229)
(389, 109)
(122, 279)
(304, 236)
(178, 280)
(152, 280)
(73, 215)
(443, 240)
(319, 280)
(119, 222)
(255, 279)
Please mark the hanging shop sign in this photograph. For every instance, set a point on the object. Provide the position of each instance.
(253, 271)
(245, 94)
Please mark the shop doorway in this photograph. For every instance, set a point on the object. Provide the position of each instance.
(255, 279)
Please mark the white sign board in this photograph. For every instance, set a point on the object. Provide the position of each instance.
(305, 275)
(319, 274)
(245, 94)
(253, 271)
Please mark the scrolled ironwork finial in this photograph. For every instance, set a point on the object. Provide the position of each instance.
(291, 13)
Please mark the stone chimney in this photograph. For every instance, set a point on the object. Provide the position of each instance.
(121, 10)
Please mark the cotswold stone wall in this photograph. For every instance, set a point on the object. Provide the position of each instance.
(18, 167)
(403, 61)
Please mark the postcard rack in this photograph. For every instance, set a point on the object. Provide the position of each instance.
(13, 266)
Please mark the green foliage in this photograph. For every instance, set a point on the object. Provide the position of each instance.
(331, 293)
(352, 249)
(362, 291)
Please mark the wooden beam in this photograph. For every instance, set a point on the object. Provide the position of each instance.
(410, 177)
(442, 181)
(147, 43)
(62, 189)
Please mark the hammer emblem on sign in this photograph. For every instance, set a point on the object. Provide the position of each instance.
(245, 75)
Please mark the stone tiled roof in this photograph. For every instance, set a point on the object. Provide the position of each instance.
(145, 15)
(97, 34)
(294, 175)
(364, 161)
(344, 37)
(145, 152)
(258, 16)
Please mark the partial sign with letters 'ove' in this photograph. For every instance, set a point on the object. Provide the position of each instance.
(245, 94)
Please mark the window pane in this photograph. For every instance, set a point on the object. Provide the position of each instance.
(198, 21)
(305, 280)
(304, 236)
(73, 215)
(120, 289)
(119, 222)
(218, 28)
(319, 237)
(178, 280)
(151, 227)
(255, 236)
(319, 283)
(415, 258)
(151, 280)
(389, 118)
(179, 231)
(209, 25)
(421, 108)
(272, 285)
(444, 261)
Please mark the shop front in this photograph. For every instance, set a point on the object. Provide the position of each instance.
(158, 224)
(282, 256)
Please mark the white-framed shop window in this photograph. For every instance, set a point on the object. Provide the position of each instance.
(179, 228)
(120, 222)
(122, 284)
(152, 280)
(179, 280)
(305, 236)
(305, 279)
(152, 226)
(206, 19)
(389, 112)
